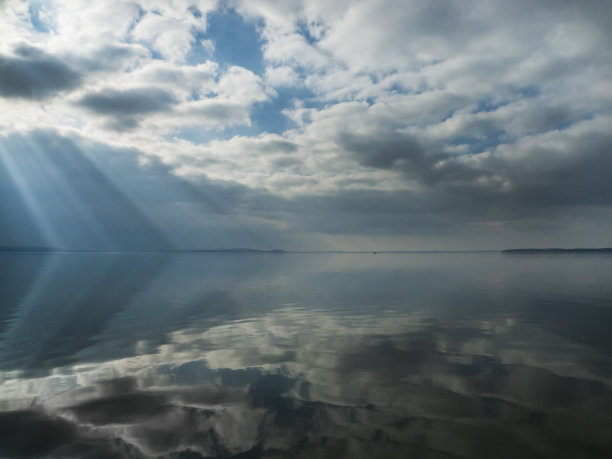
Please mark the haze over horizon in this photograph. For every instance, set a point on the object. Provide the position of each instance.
(361, 125)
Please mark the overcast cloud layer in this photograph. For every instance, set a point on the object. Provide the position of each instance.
(385, 124)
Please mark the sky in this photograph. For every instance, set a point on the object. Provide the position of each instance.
(306, 125)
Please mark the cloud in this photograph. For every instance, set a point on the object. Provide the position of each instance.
(224, 112)
(420, 101)
(281, 76)
(108, 58)
(198, 78)
(34, 74)
(169, 36)
(128, 102)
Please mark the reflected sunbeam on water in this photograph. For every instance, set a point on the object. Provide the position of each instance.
(303, 355)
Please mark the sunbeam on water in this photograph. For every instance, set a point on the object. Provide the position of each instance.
(305, 355)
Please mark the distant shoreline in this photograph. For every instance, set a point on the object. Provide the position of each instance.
(557, 251)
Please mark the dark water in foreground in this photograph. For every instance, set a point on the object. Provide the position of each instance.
(305, 356)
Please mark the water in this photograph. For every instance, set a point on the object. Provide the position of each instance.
(305, 355)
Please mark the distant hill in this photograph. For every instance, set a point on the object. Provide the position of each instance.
(559, 251)
(235, 250)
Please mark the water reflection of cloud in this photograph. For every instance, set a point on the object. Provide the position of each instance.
(304, 383)
(199, 356)
(70, 305)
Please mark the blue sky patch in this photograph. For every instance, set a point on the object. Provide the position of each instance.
(304, 31)
(237, 42)
(489, 104)
(195, 11)
(198, 54)
(35, 9)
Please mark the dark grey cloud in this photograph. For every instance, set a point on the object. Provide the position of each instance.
(222, 112)
(125, 109)
(384, 151)
(387, 149)
(548, 177)
(560, 171)
(34, 74)
(128, 102)
(374, 212)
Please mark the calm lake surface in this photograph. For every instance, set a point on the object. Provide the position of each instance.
(465, 355)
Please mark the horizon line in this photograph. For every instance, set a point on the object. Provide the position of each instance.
(42, 249)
